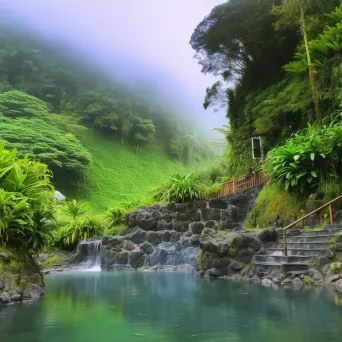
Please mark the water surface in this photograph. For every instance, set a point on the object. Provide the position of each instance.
(170, 307)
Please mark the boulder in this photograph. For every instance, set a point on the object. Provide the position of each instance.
(154, 238)
(244, 255)
(171, 207)
(200, 204)
(16, 298)
(122, 258)
(167, 217)
(33, 291)
(182, 216)
(180, 226)
(210, 224)
(185, 242)
(338, 285)
(211, 214)
(266, 282)
(237, 266)
(338, 247)
(166, 236)
(163, 225)
(195, 216)
(147, 248)
(148, 224)
(137, 259)
(137, 236)
(5, 299)
(175, 236)
(181, 207)
(195, 240)
(128, 245)
(156, 215)
(287, 281)
(197, 227)
(116, 240)
(221, 263)
(268, 235)
(218, 204)
(297, 282)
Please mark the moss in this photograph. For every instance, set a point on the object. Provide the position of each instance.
(52, 261)
(199, 257)
(336, 267)
(274, 203)
(116, 230)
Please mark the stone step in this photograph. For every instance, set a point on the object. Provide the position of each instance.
(285, 267)
(290, 252)
(285, 259)
(299, 245)
(311, 238)
(335, 226)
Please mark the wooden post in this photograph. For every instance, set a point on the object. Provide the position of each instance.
(331, 214)
(285, 244)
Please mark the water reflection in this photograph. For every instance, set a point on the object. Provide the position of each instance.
(170, 307)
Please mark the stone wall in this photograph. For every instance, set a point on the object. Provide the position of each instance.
(20, 277)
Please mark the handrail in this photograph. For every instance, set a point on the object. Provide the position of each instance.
(241, 183)
(308, 215)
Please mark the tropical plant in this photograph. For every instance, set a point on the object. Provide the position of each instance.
(75, 208)
(181, 188)
(116, 216)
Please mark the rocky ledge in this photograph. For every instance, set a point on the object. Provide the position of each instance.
(20, 277)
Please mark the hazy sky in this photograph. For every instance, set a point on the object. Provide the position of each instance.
(144, 39)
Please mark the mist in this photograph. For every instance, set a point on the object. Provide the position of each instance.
(143, 43)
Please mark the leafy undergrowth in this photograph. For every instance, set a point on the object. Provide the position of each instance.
(119, 173)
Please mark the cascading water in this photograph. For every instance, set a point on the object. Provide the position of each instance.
(168, 254)
(89, 255)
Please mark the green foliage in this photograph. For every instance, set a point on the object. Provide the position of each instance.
(336, 267)
(274, 205)
(78, 230)
(55, 260)
(307, 158)
(181, 188)
(116, 216)
(26, 202)
(75, 208)
(307, 280)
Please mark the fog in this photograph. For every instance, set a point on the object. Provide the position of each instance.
(144, 43)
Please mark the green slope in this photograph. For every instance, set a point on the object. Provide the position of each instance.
(119, 173)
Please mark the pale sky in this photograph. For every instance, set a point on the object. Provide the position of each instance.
(130, 38)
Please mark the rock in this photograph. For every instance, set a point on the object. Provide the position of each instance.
(297, 282)
(268, 235)
(185, 242)
(137, 259)
(154, 238)
(195, 240)
(4, 257)
(171, 206)
(148, 224)
(166, 236)
(331, 277)
(2, 285)
(128, 245)
(287, 281)
(338, 217)
(255, 279)
(181, 207)
(338, 285)
(237, 266)
(200, 204)
(156, 215)
(104, 240)
(323, 260)
(175, 236)
(182, 216)
(316, 275)
(167, 217)
(163, 225)
(5, 299)
(266, 282)
(137, 236)
(122, 258)
(197, 227)
(330, 254)
(338, 247)
(221, 263)
(147, 247)
(195, 216)
(211, 214)
(293, 232)
(33, 291)
(16, 298)
(214, 273)
(116, 240)
(244, 255)
(210, 224)
(180, 226)
(218, 204)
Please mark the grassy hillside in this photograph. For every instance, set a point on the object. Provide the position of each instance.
(119, 173)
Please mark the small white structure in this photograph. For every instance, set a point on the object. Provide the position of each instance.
(59, 196)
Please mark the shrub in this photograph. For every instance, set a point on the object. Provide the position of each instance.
(181, 188)
(307, 280)
(336, 267)
(116, 216)
(307, 158)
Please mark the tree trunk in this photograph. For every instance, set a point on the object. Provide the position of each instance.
(310, 67)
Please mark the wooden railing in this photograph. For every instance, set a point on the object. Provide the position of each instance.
(331, 220)
(239, 184)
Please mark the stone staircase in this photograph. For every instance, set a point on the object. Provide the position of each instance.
(304, 251)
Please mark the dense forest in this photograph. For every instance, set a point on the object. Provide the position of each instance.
(279, 65)
(51, 101)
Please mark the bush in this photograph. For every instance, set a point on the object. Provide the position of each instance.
(181, 188)
(26, 202)
(307, 280)
(307, 158)
(116, 216)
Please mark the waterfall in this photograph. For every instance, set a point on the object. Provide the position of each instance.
(89, 254)
(167, 254)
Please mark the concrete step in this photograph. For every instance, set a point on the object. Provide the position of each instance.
(291, 252)
(285, 259)
(299, 245)
(285, 267)
(308, 238)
